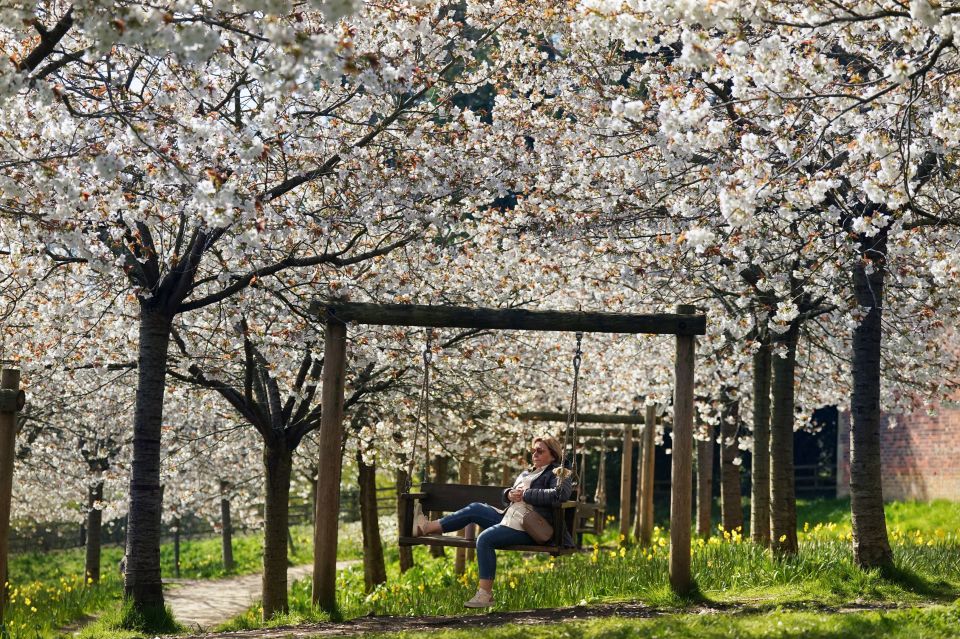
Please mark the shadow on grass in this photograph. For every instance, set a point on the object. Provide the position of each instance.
(917, 583)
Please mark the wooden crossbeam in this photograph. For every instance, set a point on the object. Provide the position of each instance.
(511, 318)
(582, 418)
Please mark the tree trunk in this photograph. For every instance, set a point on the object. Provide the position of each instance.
(441, 464)
(406, 552)
(626, 474)
(871, 548)
(638, 489)
(226, 527)
(705, 483)
(760, 482)
(277, 463)
(648, 462)
(783, 501)
(176, 547)
(142, 584)
(374, 569)
(460, 561)
(731, 503)
(94, 528)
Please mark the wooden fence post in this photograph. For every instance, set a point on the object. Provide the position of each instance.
(330, 462)
(11, 402)
(626, 471)
(681, 481)
(647, 461)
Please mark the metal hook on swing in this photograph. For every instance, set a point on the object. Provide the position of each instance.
(578, 354)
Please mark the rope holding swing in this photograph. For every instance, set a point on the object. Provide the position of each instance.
(423, 414)
(572, 417)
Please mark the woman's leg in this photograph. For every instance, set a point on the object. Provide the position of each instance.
(487, 542)
(478, 513)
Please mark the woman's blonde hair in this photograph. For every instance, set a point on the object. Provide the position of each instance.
(552, 445)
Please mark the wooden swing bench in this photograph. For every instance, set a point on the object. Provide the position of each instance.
(446, 498)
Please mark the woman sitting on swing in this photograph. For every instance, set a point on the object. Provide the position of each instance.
(537, 489)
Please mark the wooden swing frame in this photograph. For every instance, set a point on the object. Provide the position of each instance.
(685, 324)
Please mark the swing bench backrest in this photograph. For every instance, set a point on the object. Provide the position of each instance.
(446, 498)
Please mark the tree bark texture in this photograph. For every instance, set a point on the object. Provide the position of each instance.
(94, 529)
(638, 489)
(626, 474)
(760, 472)
(871, 547)
(466, 475)
(176, 547)
(374, 569)
(142, 585)
(441, 464)
(10, 382)
(226, 527)
(731, 504)
(406, 552)
(278, 465)
(783, 501)
(705, 483)
(648, 460)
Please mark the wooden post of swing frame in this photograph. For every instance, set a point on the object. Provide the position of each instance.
(646, 476)
(11, 402)
(626, 471)
(328, 477)
(681, 480)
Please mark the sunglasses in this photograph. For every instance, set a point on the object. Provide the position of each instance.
(538, 450)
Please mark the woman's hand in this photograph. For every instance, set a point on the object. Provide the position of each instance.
(515, 495)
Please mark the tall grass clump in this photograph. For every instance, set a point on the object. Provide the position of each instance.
(41, 608)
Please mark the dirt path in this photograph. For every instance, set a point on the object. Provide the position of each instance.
(202, 604)
(481, 620)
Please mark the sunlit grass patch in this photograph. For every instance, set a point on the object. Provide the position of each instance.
(937, 622)
(727, 568)
(40, 609)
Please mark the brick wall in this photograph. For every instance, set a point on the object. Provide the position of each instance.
(920, 455)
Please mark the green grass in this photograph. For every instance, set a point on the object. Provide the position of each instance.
(731, 571)
(122, 622)
(49, 593)
(932, 622)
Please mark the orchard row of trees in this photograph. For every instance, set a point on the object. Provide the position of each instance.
(179, 182)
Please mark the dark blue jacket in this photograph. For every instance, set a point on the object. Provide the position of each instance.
(544, 492)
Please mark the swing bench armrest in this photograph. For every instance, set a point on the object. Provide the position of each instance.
(560, 521)
(406, 511)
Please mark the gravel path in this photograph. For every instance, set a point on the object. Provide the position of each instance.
(202, 604)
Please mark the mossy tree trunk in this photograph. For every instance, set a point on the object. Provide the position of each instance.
(142, 585)
(441, 465)
(226, 527)
(705, 481)
(277, 465)
(871, 547)
(374, 568)
(406, 552)
(731, 504)
(783, 502)
(760, 484)
(94, 529)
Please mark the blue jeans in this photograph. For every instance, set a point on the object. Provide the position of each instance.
(494, 535)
